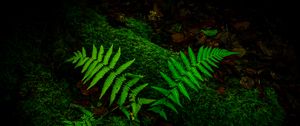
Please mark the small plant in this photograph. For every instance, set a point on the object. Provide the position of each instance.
(209, 32)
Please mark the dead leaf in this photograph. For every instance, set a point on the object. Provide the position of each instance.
(221, 90)
(241, 26)
(250, 71)
(201, 38)
(247, 82)
(99, 110)
(178, 37)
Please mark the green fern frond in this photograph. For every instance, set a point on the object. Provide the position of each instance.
(94, 52)
(101, 66)
(135, 104)
(169, 80)
(136, 91)
(124, 66)
(92, 70)
(99, 76)
(98, 65)
(117, 86)
(192, 78)
(175, 96)
(82, 57)
(178, 66)
(188, 72)
(172, 95)
(126, 112)
(145, 101)
(173, 70)
(203, 70)
(165, 92)
(107, 55)
(183, 90)
(126, 89)
(185, 60)
(188, 83)
(100, 53)
(87, 64)
(115, 59)
(192, 57)
(160, 111)
(83, 52)
(135, 109)
(165, 102)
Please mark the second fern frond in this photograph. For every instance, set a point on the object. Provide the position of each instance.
(188, 72)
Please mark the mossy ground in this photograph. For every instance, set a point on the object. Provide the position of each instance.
(44, 87)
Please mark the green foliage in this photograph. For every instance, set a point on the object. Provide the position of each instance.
(102, 66)
(210, 32)
(87, 119)
(188, 73)
(43, 98)
(115, 121)
(203, 108)
(140, 28)
(191, 74)
(90, 27)
(236, 107)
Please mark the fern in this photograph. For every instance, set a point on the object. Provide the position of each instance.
(134, 102)
(100, 64)
(189, 72)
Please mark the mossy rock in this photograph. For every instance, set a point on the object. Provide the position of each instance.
(237, 107)
(150, 59)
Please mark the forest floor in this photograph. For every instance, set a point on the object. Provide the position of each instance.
(265, 42)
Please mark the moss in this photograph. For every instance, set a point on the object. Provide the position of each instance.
(44, 99)
(115, 121)
(150, 58)
(236, 107)
(141, 28)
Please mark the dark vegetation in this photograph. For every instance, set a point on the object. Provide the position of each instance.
(37, 87)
